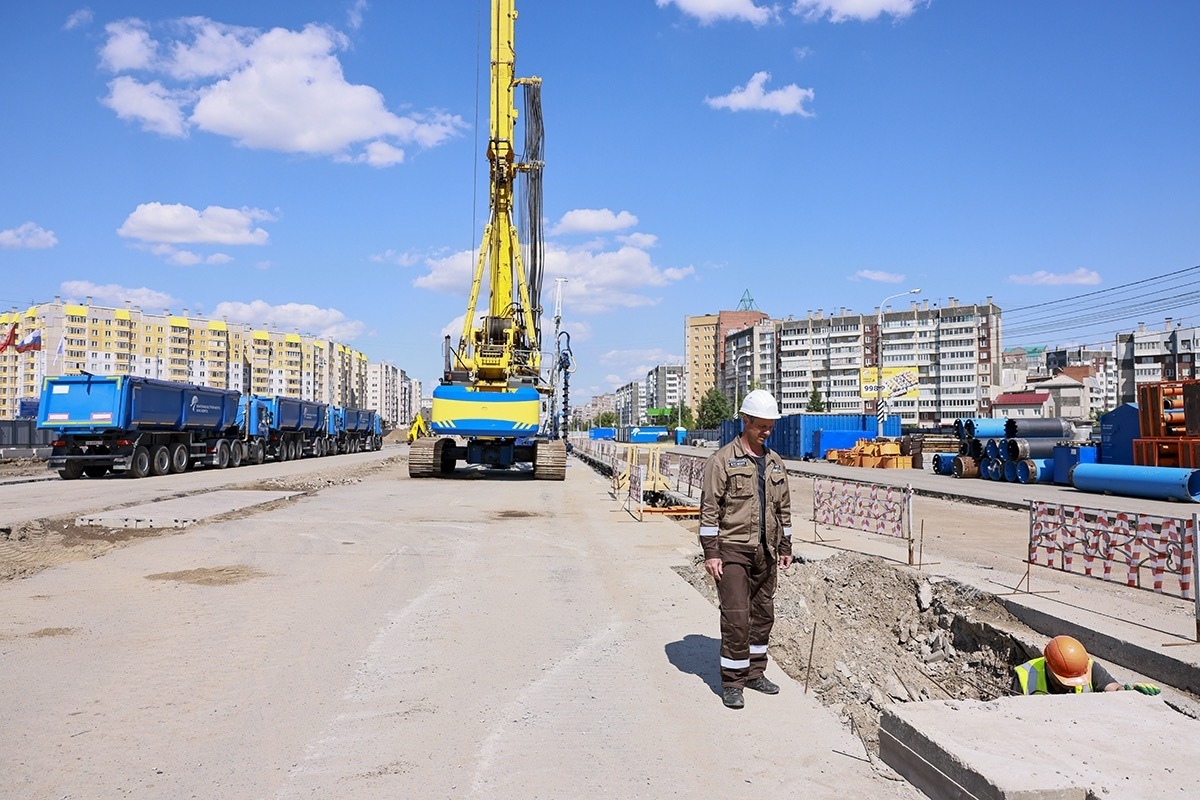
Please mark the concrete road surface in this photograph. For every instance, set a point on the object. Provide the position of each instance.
(489, 638)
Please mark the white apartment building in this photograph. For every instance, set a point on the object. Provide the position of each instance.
(750, 361)
(1146, 355)
(665, 386)
(630, 403)
(955, 350)
(383, 391)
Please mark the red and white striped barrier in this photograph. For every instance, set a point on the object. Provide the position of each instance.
(1133, 544)
(885, 510)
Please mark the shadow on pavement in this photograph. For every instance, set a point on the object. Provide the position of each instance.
(697, 655)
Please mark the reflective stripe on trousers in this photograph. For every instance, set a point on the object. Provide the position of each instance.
(746, 591)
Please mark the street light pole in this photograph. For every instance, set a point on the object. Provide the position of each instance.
(879, 360)
(737, 380)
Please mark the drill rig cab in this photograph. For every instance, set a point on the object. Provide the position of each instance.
(491, 390)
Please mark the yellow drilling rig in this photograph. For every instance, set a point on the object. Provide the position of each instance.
(491, 390)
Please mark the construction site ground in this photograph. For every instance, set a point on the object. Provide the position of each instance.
(491, 636)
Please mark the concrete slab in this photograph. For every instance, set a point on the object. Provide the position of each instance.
(181, 511)
(1115, 744)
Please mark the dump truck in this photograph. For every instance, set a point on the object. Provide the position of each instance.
(137, 426)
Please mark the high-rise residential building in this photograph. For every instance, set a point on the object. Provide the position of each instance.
(704, 349)
(630, 403)
(750, 361)
(1148, 355)
(592, 409)
(953, 351)
(664, 386)
(76, 338)
(384, 382)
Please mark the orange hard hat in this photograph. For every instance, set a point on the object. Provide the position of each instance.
(1067, 661)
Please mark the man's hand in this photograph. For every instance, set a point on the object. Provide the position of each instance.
(785, 561)
(1144, 688)
(713, 567)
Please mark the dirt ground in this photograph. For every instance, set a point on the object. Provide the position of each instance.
(22, 467)
(879, 635)
(29, 547)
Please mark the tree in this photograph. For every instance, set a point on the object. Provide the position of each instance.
(714, 409)
(607, 419)
(815, 403)
(672, 419)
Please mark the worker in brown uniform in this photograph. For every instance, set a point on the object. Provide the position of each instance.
(746, 532)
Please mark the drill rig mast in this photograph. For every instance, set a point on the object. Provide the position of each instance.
(491, 389)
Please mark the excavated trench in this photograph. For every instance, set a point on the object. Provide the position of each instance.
(881, 634)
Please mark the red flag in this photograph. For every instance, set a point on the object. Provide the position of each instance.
(8, 340)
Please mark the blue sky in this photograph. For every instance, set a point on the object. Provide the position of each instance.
(319, 164)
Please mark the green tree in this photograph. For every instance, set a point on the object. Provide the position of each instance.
(714, 409)
(815, 403)
(672, 419)
(607, 419)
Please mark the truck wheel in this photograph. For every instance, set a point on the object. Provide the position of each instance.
(256, 453)
(235, 454)
(293, 451)
(222, 454)
(71, 471)
(139, 464)
(160, 460)
(95, 472)
(180, 458)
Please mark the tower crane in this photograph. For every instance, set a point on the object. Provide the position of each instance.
(491, 390)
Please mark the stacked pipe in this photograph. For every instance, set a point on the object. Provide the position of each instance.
(1013, 450)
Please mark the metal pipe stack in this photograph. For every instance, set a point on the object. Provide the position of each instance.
(996, 449)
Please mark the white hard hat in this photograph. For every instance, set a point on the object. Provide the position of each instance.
(761, 403)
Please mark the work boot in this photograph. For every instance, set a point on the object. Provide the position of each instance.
(761, 684)
(731, 696)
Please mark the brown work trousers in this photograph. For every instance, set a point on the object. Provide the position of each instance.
(747, 594)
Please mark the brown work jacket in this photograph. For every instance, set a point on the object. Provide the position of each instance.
(729, 502)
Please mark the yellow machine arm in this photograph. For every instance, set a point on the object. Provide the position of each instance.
(503, 348)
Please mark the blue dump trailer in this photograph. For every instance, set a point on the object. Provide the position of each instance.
(137, 426)
(354, 429)
(297, 428)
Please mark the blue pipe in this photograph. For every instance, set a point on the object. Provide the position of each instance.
(985, 427)
(943, 463)
(1010, 470)
(1156, 483)
(1035, 470)
(991, 448)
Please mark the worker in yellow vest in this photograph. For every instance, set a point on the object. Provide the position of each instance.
(1064, 668)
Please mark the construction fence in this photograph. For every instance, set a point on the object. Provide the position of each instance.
(1143, 551)
(867, 507)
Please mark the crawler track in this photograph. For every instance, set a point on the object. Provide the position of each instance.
(550, 461)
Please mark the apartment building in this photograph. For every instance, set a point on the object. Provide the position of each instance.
(704, 349)
(630, 403)
(592, 409)
(664, 386)
(751, 361)
(384, 385)
(954, 351)
(69, 338)
(1146, 355)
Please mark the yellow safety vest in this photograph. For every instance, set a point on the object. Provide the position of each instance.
(1037, 668)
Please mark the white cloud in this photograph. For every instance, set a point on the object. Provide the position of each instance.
(598, 280)
(709, 11)
(178, 224)
(157, 108)
(115, 294)
(325, 323)
(1080, 277)
(78, 19)
(381, 154)
(128, 46)
(842, 10)
(877, 275)
(753, 96)
(404, 259)
(593, 220)
(28, 235)
(279, 90)
(453, 329)
(354, 16)
(643, 241)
